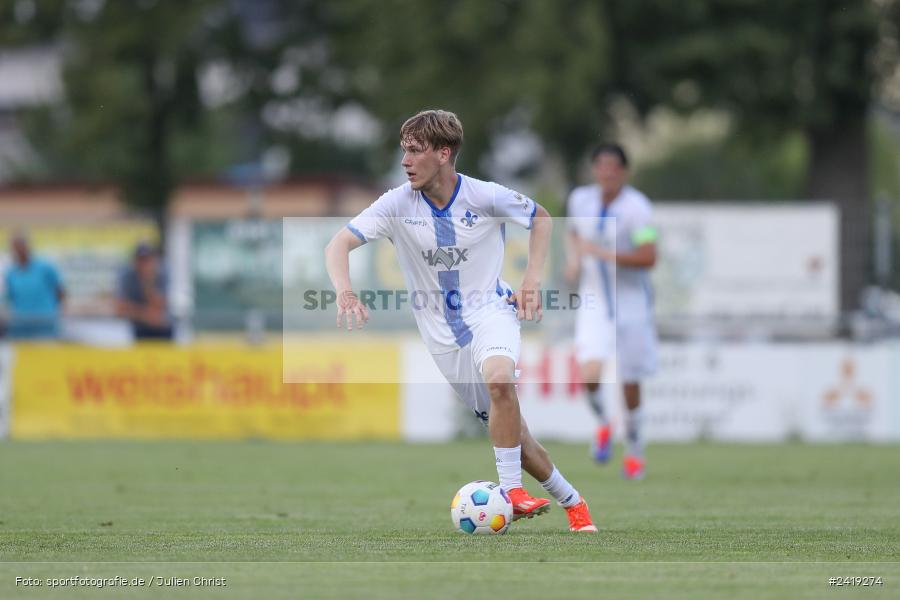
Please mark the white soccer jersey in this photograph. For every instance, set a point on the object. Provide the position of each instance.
(451, 258)
(629, 221)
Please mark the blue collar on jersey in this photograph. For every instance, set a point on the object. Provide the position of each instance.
(443, 212)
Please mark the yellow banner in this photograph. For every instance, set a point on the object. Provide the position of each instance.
(201, 391)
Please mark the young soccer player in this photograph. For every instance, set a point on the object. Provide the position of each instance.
(448, 231)
(613, 210)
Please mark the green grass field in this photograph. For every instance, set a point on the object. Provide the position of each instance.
(322, 520)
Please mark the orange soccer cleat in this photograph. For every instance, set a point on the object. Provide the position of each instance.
(633, 467)
(525, 506)
(602, 445)
(580, 518)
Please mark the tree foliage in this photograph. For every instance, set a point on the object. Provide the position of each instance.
(133, 109)
(499, 65)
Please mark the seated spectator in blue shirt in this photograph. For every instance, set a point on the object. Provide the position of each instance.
(142, 299)
(34, 294)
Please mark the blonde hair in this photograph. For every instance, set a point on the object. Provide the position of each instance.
(436, 128)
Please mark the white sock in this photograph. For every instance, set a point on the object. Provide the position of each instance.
(634, 432)
(595, 399)
(561, 490)
(509, 467)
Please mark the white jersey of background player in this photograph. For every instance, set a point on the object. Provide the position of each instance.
(447, 230)
(612, 243)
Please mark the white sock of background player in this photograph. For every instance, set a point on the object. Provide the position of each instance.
(634, 432)
(595, 399)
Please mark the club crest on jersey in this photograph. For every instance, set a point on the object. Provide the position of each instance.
(469, 219)
(449, 257)
(523, 200)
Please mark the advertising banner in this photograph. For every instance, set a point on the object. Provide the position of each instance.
(848, 392)
(828, 392)
(747, 260)
(741, 392)
(833, 392)
(201, 391)
(235, 266)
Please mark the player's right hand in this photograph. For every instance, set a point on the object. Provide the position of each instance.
(591, 249)
(528, 300)
(350, 305)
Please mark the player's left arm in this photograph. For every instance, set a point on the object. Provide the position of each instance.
(643, 236)
(528, 296)
(512, 207)
(643, 256)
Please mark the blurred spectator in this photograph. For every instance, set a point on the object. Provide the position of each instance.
(143, 291)
(34, 293)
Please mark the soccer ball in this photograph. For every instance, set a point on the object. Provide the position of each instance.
(481, 507)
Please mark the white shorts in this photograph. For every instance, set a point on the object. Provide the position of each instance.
(595, 334)
(636, 345)
(497, 336)
(633, 343)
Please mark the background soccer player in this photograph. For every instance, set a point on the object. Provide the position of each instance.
(612, 211)
(447, 229)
